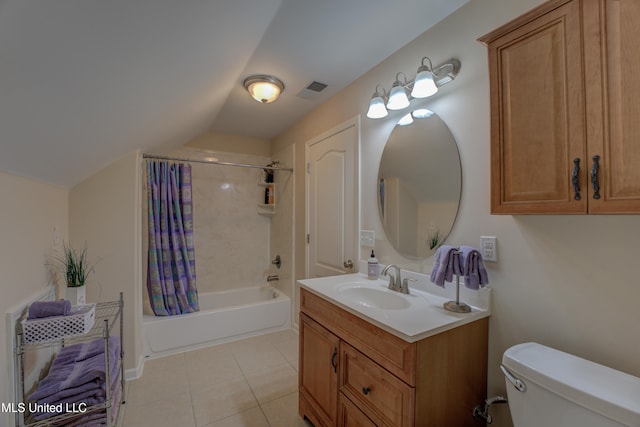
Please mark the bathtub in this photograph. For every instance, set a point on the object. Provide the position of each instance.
(224, 316)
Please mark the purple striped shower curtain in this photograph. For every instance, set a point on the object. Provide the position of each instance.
(171, 275)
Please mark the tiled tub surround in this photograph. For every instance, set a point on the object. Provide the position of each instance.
(231, 239)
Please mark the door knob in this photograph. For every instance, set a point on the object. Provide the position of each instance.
(348, 264)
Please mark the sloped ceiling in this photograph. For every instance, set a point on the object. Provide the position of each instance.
(83, 82)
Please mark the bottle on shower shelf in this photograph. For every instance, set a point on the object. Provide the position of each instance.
(269, 195)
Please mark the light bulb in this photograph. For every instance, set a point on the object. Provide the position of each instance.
(377, 109)
(424, 86)
(398, 97)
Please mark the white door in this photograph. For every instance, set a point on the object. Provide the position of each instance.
(332, 201)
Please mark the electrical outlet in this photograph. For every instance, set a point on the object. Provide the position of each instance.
(367, 238)
(489, 248)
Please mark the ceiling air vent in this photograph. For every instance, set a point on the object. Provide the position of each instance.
(312, 90)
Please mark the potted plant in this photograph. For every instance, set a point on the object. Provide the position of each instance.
(76, 271)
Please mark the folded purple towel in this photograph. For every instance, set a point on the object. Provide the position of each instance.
(475, 275)
(446, 264)
(89, 398)
(79, 352)
(40, 309)
(66, 379)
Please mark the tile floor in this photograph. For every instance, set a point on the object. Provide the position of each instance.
(250, 383)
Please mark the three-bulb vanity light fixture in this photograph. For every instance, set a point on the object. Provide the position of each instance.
(426, 83)
(264, 88)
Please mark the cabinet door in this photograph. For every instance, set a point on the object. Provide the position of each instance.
(537, 116)
(318, 372)
(612, 72)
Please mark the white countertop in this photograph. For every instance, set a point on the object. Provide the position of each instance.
(424, 315)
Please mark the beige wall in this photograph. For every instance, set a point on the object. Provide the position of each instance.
(29, 211)
(564, 281)
(104, 212)
(216, 141)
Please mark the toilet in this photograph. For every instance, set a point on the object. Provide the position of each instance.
(550, 388)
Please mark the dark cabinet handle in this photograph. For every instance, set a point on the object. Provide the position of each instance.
(595, 181)
(366, 390)
(333, 359)
(575, 178)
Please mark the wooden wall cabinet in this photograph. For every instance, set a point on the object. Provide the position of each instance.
(353, 373)
(565, 80)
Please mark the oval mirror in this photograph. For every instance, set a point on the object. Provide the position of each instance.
(419, 185)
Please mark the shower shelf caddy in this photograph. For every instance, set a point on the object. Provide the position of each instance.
(267, 209)
(107, 315)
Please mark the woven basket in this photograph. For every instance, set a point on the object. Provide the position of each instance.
(79, 322)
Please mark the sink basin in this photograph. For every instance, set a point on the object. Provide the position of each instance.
(372, 297)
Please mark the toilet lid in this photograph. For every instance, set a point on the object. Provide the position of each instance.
(604, 390)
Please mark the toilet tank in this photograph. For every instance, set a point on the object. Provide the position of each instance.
(563, 390)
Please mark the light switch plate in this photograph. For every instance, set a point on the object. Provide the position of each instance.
(367, 238)
(489, 248)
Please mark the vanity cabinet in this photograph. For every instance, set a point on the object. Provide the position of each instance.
(564, 131)
(353, 373)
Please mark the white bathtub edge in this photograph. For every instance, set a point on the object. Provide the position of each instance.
(151, 355)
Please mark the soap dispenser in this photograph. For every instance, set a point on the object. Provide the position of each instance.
(372, 266)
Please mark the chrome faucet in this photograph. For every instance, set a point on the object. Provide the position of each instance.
(272, 278)
(395, 282)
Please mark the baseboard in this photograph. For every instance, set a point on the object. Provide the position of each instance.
(135, 373)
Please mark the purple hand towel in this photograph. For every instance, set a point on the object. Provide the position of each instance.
(67, 379)
(79, 352)
(447, 263)
(475, 275)
(40, 309)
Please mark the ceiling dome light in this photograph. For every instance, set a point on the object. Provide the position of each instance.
(424, 85)
(264, 88)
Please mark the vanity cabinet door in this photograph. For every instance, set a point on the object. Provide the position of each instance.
(537, 118)
(318, 373)
(612, 73)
